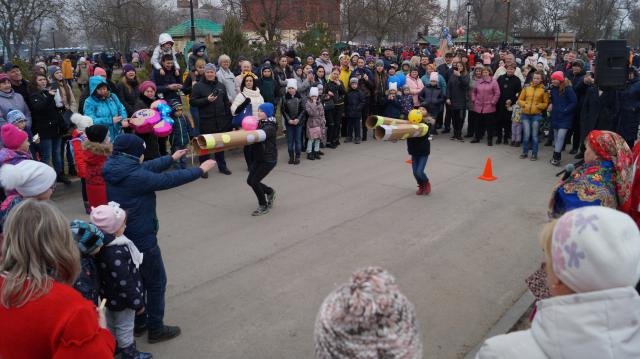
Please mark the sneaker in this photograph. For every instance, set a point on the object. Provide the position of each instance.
(260, 211)
(430, 138)
(167, 332)
(524, 155)
(555, 162)
(270, 199)
(131, 352)
(534, 157)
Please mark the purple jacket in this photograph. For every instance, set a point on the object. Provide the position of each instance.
(485, 95)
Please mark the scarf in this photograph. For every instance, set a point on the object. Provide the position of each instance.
(611, 147)
(136, 256)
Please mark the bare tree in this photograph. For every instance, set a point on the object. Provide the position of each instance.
(351, 18)
(17, 18)
(383, 17)
(594, 19)
(265, 17)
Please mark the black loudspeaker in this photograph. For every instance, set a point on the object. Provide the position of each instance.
(612, 63)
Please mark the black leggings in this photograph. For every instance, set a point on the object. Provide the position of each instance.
(258, 171)
(458, 122)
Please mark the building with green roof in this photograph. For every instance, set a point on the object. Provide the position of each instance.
(207, 31)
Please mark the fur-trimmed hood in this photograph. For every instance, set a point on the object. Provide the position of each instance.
(99, 149)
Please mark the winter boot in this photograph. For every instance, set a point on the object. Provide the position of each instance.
(317, 155)
(311, 156)
(426, 188)
(290, 158)
(420, 189)
(555, 160)
(296, 161)
(131, 352)
(163, 334)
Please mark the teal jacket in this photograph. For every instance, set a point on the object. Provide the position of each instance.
(102, 111)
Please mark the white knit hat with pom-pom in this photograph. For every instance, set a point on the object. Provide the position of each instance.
(81, 122)
(367, 318)
(29, 178)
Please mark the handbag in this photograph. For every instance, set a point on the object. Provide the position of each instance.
(236, 122)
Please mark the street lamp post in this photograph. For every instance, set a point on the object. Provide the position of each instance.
(193, 25)
(468, 17)
(53, 35)
(506, 30)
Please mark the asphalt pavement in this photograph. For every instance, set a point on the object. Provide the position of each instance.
(250, 287)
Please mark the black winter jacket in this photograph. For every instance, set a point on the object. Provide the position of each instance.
(266, 151)
(510, 86)
(457, 91)
(45, 118)
(431, 98)
(419, 146)
(354, 102)
(292, 108)
(128, 97)
(215, 116)
(162, 83)
(120, 281)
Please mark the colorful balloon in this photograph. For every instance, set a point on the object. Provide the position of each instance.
(415, 116)
(249, 123)
(143, 120)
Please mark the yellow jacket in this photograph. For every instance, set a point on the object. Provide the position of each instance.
(67, 70)
(533, 100)
(345, 74)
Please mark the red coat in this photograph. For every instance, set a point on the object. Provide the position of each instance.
(60, 324)
(95, 156)
(78, 152)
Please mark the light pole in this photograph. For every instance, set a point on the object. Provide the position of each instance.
(53, 35)
(506, 30)
(468, 17)
(193, 25)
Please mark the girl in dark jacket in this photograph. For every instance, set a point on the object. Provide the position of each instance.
(46, 124)
(269, 88)
(563, 106)
(264, 156)
(355, 100)
(128, 89)
(457, 90)
(431, 96)
(335, 91)
(419, 148)
(293, 119)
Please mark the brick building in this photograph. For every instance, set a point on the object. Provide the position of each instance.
(298, 14)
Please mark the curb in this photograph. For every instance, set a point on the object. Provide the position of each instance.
(507, 321)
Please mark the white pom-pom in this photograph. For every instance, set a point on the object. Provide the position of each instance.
(82, 122)
(10, 177)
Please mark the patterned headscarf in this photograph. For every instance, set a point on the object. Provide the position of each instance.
(611, 147)
(367, 318)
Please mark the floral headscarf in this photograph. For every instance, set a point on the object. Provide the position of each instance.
(611, 147)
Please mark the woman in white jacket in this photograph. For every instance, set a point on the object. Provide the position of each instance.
(249, 95)
(592, 263)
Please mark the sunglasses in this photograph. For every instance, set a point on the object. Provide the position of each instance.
(324, 54)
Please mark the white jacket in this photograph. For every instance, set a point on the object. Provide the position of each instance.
(593, 325)
(254, 95)
(156, 58)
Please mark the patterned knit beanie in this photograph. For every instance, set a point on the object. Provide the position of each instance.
(367, 318)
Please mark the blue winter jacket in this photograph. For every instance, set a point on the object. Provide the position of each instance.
(133, 185)
(102, 111)
(564, 107)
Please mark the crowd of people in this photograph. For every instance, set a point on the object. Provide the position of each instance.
(114, 262)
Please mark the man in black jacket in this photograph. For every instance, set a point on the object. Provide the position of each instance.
(166, 81)
(445, 70)
(510, 86)
(210, 97)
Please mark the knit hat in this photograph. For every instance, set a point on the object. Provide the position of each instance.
(434, 77)
(379, 63)
(267, 108)
(210, 67)
(14, 116)
(99, 71)
(81, 122)
(97, 133)
(292, 83)
(108, 217)
(29, 178)
(87, 235)
(596, 248)
(3, 77)
(12, 137)
(393, 86)
(313, 92)
(127, 67)
(129, 144)
(558, 75)
(175, 103)
(353, 80)
(145, 85)
(579, 63)
(51, 70)
(367, 316)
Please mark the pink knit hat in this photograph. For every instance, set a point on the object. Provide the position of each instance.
(558, 75)
(13, 137)
(99, 71)
(145, 85)
(109, 218)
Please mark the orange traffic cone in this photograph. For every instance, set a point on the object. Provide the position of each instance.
(487, 175)
(409, 161)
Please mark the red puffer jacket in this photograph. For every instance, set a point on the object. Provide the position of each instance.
(95, 156)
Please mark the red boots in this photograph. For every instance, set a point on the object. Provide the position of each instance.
(424, 189)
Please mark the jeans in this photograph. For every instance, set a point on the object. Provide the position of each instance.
(516, 131)
(354, 125)
(258, 171)
(195, 114)
(558, 139)
(121, 323)
(418, 163)
(313, 145)
(530, 126)
(154, 280)
(294, 139)
(50, 151)
(218, 156)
